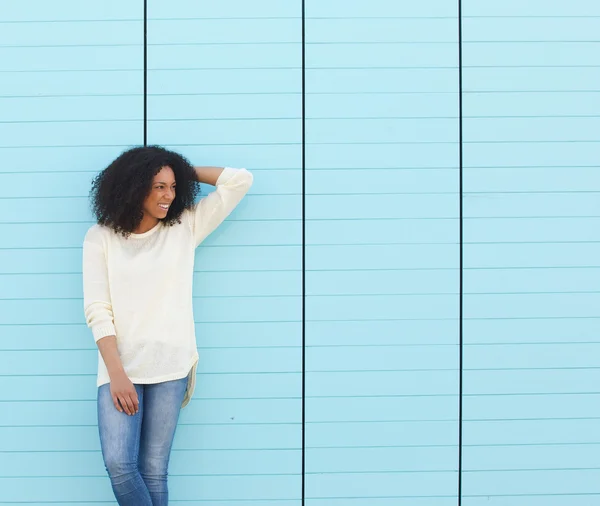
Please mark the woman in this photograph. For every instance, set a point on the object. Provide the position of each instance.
(138, 264)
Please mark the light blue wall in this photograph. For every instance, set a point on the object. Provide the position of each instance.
(382, 208)
(532, 350)
(382, 244)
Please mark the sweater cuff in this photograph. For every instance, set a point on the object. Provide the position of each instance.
(102, 331)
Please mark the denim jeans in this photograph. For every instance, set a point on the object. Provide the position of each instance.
(136, 448)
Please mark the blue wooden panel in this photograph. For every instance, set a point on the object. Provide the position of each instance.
(184, 488)
(532, 280)
(528, 154)
(441, 407)
(383, 54)
(70, 109)
(524, 356)
(78, 183)
(190, 462)
(222, 108)
(325, 435)
(532, 330)
(80, 133)
(540, 229)
(368, 460)
(530, 79)
(263, 156)
(77, 210)
(378, 501)
(210, 335)
(414, 31)
(221, 384)
(413, 105)
(22, 256)
(532, 179)
(102, 33)
(539, 305)
(532, 500)
(212, 437)
(215, 361)
(531, 255)
(382, 80)
(367, 358)
(532, 129)
(531, 8)
(382, 156)
(32, 11)
(379, 282)
(222, 81)
(224, 31)
(383, 206)
(380, 307)
(530, 457)
(395, 256)
(516, 54)
(334, 131)
(377, 287)
(530, 381)
(530, 137)
(532, 204)
(213, 310)
(280, 131)
(531, 29)
(389, 231)
(398, 181)
(384, 333)
(200, 502)
(223, 9)
(80, 60)
(559, 482)
(78, 407)
(364, 383)
(379, 484)
(530, 432)
(383, 8)
(51, 159)
(73, 83)
(557, 406)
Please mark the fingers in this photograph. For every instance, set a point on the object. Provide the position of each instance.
(127, 403)
(116, 403)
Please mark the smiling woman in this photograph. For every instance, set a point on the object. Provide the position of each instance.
(138, 264)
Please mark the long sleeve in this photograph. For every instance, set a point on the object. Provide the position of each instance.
(209, 213)
(96, 293)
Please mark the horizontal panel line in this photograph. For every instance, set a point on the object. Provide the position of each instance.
(196, 398)
(174, 450)
(528, 343)
(529, 394)
(121, 145)
(500, 92)
(103, 476)
(254, 169)
(222, 424)
(280, 321)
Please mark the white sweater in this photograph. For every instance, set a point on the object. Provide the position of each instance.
(140, 288)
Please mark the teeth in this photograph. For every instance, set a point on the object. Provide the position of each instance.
(163, 206)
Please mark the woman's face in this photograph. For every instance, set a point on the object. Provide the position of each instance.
(161, 195)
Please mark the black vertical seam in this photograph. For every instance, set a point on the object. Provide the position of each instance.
(460, 233)
(303, 127)
(145, 72)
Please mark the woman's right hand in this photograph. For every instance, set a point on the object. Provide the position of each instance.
(124, 394)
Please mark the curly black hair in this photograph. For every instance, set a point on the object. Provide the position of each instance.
(118, 192)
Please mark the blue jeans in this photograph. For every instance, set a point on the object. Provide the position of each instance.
(136, 448)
